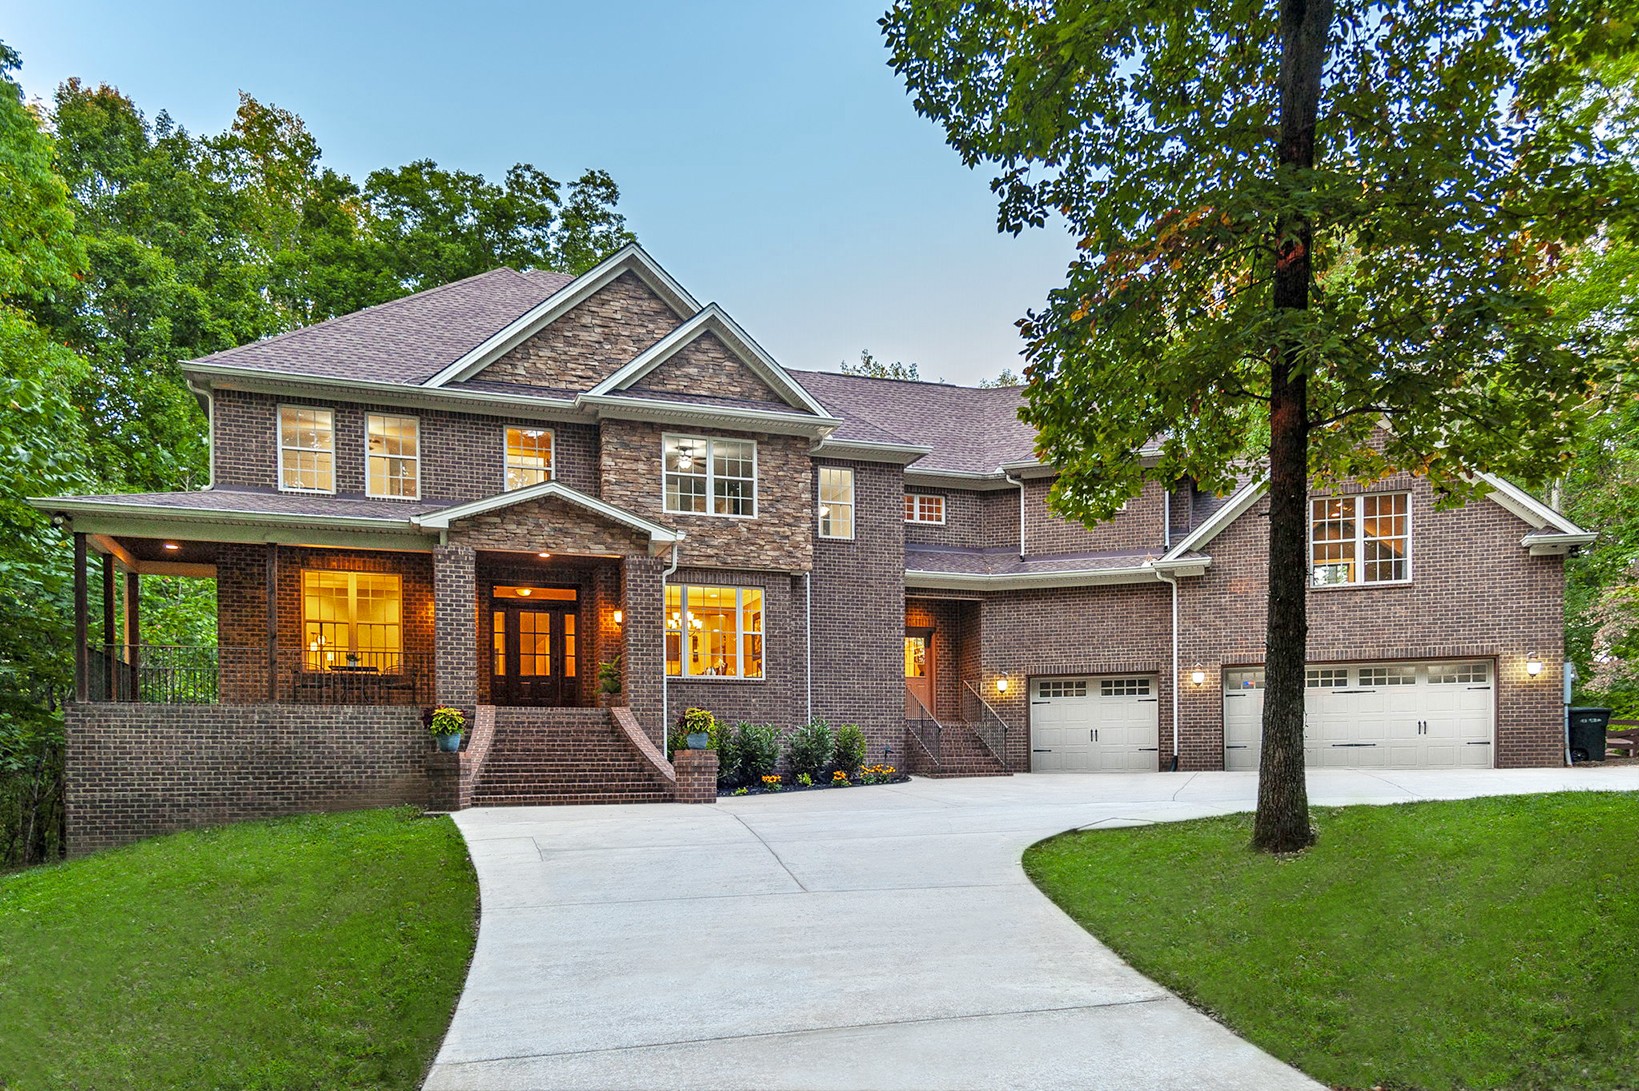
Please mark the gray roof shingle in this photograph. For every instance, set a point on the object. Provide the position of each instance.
(267, 502)
(1006, 562)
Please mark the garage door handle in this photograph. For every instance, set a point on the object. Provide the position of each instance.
(1049, 750)
(1148, 700)
(1340, 744)
(1485, 743)
(1231, 746)
(1479, 687)
(1149, 749)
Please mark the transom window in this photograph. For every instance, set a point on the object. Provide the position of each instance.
(709, 476)
(528, 457)
(921, 507)
(836, 502)
(352, 621)
(1327, 677)
(1449, 674)
(307, 449)
(393, 463)
(1061, 687)
(1388, 676)
(1123, 687)
(1360, 539)
(714, 632)
(1243, 679)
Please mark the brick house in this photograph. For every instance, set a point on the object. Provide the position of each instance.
(481, 494)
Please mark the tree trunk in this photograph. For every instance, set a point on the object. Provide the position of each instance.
(1282, 821)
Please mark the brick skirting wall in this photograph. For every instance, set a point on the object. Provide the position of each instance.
(696, 776)
(136, 770)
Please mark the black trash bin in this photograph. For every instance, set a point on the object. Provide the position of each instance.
(1588, 733)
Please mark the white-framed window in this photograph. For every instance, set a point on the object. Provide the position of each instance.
(836, 502)
(921, 507)
(392, 461)
(1061, 688)
(1451, 674)
(1326, 677)
(714, 632)
(1360, 539)
(1123, 687)
(1388, 676)
(352, 621)
(529, 453)
(307, 449)
(709, 476)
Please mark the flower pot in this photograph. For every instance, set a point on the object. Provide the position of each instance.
(698, 740)
(449, 744)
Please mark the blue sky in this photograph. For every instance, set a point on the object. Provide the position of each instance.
(767, 155)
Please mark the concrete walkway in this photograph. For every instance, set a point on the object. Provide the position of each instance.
(871, 938)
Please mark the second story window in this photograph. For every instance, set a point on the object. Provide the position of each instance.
(709, 476)
(921, 507)
(392, 461)
(528, 457)
(1360, 539)
(836, 502)
(307, 449)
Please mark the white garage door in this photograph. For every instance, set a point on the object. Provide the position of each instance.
(1390, 716)
(1093, 725)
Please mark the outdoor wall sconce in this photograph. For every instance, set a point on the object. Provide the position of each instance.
(1533, 665)
(1001, 684)
(619, 617)
(1197, 676)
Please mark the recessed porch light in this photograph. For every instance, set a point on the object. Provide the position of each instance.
(544, 556)
(172, 545)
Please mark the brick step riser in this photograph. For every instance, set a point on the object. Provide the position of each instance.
(565, 801)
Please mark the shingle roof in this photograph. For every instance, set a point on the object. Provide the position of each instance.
(407, 340)
(1006, 562)
(267, 502)
(971, 430)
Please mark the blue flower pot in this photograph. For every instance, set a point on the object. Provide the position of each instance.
(449, 744)
(698, 740)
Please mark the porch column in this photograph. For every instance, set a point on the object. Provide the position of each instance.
(455, 627)
(272, 622)
(109, 665)
(643, 602)
(133, 617)
(81, 606)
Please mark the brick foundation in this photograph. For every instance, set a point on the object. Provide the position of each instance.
(696, 776)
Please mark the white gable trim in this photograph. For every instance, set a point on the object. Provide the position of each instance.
(1219, 520)
(441, 520)
(1529, 508)
(631, 259)
(713, 320)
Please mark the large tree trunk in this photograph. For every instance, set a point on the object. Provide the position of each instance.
(1282, 822)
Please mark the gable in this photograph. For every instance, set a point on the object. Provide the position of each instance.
(548, 523)
(706, 367)
(589, 342)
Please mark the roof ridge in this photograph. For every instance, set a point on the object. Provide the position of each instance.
(908, 382)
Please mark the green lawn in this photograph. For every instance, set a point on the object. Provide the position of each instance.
(1478, 944)
(316, 952)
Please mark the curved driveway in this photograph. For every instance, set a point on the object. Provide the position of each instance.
(879, 937)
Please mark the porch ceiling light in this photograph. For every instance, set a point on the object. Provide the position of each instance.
(525, 592)
(1533, 665)
(172, 545)
(1197, 676)
(544, 556)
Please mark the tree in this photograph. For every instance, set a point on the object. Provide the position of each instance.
(871, 368)
(1316, 238)
(1008, 377)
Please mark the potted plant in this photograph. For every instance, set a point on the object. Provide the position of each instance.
(609, 683)
(697, 724)
(447, 725)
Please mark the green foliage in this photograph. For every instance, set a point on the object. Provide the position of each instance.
(1363, 961)
(609, 677)
(809, 748)
(753, 751)
(325, 951)
(447, 721)
(849, 752)
(872, 368)
(1008, 377)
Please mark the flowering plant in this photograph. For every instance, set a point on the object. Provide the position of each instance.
(772, 783)
(840, 779)
(448, 721)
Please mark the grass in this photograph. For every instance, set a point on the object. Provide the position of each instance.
(1488, 943)
(316, 952)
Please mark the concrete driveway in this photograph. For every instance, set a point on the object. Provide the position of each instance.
(870, 938)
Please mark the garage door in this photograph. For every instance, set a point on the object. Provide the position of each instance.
(1382, 715)
(1092, 725)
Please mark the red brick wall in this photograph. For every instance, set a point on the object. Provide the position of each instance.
(134, 771)
(1140, 526)
(779, 696)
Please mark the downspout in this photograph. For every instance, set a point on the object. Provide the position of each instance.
(665, 679)
(1172, 581)
(808, 638)
(1166, 519)
(1011, 480)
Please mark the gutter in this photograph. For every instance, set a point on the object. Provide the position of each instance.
(665, 679)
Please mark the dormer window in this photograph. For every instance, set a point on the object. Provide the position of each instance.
(528, 457)
(709, 476)
(307, 449)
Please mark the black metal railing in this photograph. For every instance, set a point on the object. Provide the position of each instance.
(985, 720)
(922, 723)
(183, 675)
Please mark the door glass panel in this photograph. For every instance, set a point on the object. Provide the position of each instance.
(916, 657)
(568, 645)
(534, 644)
(499, 644)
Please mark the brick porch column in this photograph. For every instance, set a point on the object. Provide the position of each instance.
(643, 638)
(455, 627)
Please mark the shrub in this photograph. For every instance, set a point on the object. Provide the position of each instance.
(850, 749)
(809, 748)
(804, 780)
(756, 750)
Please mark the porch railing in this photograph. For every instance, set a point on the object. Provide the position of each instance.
(183, 675)
(922, 723)
(986, 721)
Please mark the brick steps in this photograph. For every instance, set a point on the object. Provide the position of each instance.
(564, 757)
(961, 754)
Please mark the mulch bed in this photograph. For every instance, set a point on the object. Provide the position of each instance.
(785, 789)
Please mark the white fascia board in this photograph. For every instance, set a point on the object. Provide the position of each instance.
(932, 478)
(1528, 507)
(972, 581)
(631, 258)
(1219, 521)
(441, 520)
(709, 416)
(1553, 544)
(900, 454)
(1183, 566)
(221, 377)
(713, 320)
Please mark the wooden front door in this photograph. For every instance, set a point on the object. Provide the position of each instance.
(918, 673)
(533, 655)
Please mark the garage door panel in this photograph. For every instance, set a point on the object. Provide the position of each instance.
(1094, 724)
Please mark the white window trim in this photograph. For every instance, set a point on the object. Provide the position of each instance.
(739, 633)
(943, 508)
(416, 460)
(551, 465)
(852, 502)
(279, 446)
(1359, 500)
(668, 438)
